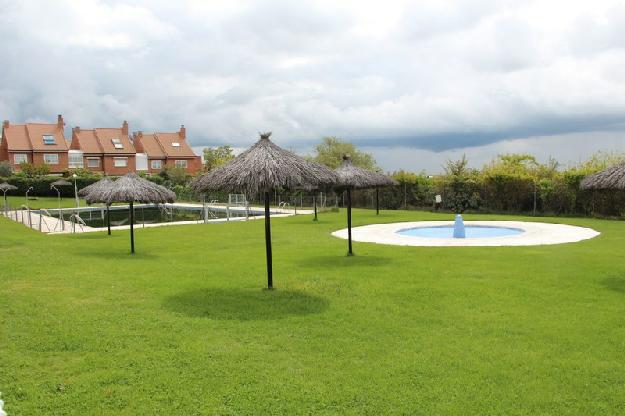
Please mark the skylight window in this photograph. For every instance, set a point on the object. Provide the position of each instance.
(117, 143)
(48, 139)
(175, 144)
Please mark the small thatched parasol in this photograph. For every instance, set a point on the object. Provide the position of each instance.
(610, 178)
(5, 187)
(262, 168)
(97, 188)
(352, 177)
(131, 188)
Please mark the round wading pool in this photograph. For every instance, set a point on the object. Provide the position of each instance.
(472, 231)
(477, 233)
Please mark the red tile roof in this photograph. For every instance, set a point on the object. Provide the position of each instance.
(106, 136)
(167, 141)
(86, 141)
(147, 143)
(29, 137)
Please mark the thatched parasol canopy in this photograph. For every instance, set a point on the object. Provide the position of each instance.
(262, 168)
(96, 188)
(610, 178)
(61, 182)
(130, 188)
(352, 177)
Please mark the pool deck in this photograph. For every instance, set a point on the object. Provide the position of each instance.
(51, 225)
(534, 234)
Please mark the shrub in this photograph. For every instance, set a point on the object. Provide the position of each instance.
(5, 168)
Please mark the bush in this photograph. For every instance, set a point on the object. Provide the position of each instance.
(5, 169)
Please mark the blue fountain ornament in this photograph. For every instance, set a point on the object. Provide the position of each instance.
(459, 231)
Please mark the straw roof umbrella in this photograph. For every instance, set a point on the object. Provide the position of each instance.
(5, 187)
(610, 178)
(131, 188)
(61, 182)
(97, 188)
(262, 168)
(352, 177)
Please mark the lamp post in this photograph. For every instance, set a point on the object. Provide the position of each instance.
(30, 223)
(76, 190)
(60, 213)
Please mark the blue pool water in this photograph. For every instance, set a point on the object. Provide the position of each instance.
(472, 231)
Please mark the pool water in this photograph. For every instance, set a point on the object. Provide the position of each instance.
(472, 231)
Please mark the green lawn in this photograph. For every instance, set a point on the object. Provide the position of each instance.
(40, 202)
(183, 327)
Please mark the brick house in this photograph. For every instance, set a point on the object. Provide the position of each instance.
(107, 150)
(167, 150)
(36, 143)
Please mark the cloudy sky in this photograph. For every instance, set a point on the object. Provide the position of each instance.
(413, 82)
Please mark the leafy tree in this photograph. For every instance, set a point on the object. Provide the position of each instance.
(34, 170)
(461, 190)
(217, 156)
(175, 176)
(5, 168)
(331, 150)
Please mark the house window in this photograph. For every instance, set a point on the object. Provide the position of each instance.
(156, 164)
(93, 162)
(120, 162)
(48, 139)
(51, 158)
(20, 158)
(75, 159)
(175, 144)
(181, 164)
(117, 143)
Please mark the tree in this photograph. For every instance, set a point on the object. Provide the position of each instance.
(331, 150)
(31, 170)
(461, 186)
(5, 168)
(215, 157)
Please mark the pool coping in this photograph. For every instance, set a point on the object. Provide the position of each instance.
(534, 234)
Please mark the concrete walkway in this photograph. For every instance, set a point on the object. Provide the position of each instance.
(40, 220)
(534, 234)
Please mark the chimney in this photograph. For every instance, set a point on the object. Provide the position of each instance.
(5, 123)
(59, 121)
(125, 128)
(183, 132)
(76, 129)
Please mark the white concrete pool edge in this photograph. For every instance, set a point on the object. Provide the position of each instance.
(534, 234)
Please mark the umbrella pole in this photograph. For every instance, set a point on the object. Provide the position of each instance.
(132, 229)
(377, 201)
(315, 205)
(108, 218)
(349, 221)
(268, 242)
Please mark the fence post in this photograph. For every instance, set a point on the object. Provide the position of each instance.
(40, 219)
(30, 219)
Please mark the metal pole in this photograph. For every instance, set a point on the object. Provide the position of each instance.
(76, 191)
(377, 201)
(315, 205)
(268, 242)
(349, 220)
(132, 229)
(108, 218)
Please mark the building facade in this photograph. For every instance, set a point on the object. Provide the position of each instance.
(36, 143)
(167, 150)
(111, 151)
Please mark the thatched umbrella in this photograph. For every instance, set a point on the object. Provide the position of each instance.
(97, 188)
(5, 187)
(352, 177)
(610, 178)
(263, 168)
(131, 188)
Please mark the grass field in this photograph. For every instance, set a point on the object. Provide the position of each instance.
(184, 327)
(40, 202)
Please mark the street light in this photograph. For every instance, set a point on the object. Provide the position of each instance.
(76, 190)
(60, 213)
